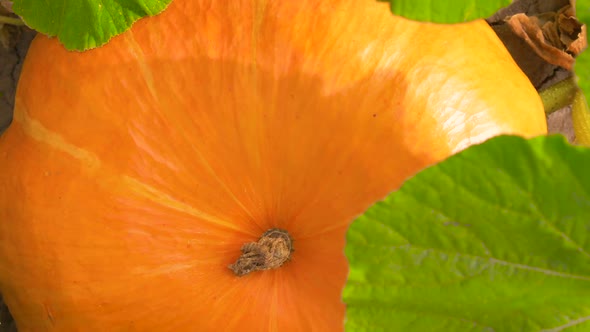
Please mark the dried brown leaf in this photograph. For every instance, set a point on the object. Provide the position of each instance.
(530, 30)
(543, 37)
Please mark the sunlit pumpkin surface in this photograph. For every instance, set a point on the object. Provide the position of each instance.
(133, 174)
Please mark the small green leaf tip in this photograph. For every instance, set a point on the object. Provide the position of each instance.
(85, 24)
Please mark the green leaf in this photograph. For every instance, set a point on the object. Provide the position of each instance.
(446, 11)
(84, 24)
(496, 238)
(582, 67)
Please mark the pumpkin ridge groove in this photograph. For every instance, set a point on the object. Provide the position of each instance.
(34, 129)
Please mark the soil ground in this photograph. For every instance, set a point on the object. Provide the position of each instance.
(16, 41)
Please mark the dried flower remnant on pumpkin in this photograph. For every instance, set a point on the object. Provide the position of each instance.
(272, 250)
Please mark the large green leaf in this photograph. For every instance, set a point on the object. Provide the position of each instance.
(496, 238)
(84, 24)
(582, 66)
(446, 11)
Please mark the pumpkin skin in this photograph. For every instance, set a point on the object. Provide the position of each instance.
(133, 173)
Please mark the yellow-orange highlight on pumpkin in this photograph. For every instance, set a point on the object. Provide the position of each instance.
(133, 174)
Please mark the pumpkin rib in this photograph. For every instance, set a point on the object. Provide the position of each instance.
(93, 165)
(154, 196)
(138, 54)
(148, 77)
(38, 132)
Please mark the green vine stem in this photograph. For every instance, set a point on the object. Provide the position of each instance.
(11, 20)
(567, 93)
(581, 119)
(559, 95)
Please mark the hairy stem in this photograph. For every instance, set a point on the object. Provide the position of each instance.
(559, 95)
(11, 20)
(581, 119)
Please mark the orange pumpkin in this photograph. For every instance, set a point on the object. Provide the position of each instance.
(133, 174)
